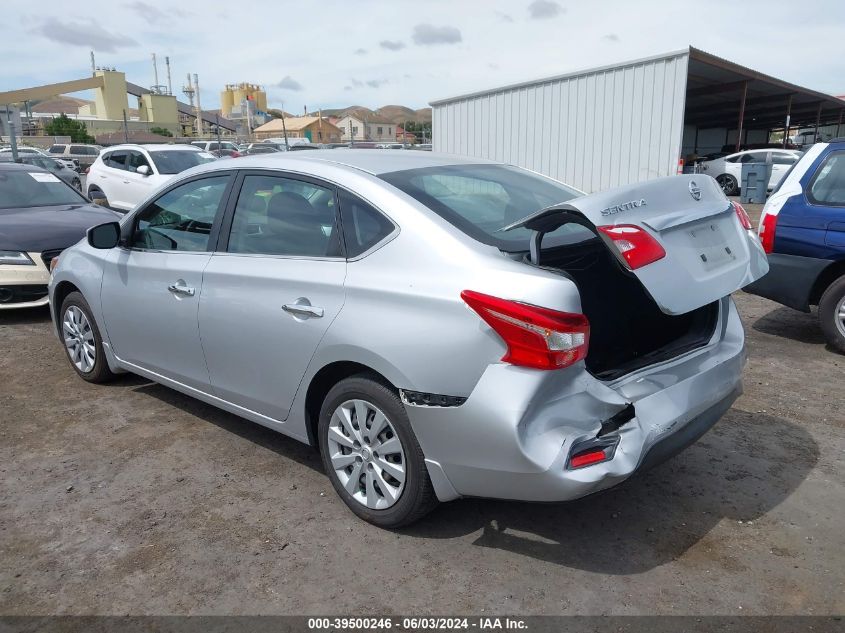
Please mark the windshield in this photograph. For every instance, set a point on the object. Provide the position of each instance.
(176, 161)
(21, 189)
(481, 199)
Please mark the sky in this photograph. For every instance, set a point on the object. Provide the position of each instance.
(379, 52)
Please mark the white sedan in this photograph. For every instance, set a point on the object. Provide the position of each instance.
(727, 170)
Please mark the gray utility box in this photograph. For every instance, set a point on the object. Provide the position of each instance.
(755, 180)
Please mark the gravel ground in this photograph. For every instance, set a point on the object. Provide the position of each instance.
(131, 498)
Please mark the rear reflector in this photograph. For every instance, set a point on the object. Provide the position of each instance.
(585, 459)
(592, 452)
(767, 231)
(536, 337)
(744, 220)
(634, 244)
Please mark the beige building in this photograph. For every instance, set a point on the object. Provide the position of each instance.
(313, 128)
(354, 128)
(235, 94)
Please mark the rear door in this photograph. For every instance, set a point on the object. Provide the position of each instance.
(826, 195)
(708, 253)
(272, 290)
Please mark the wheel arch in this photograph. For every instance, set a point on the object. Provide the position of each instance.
(63, 289)
(322, 382)
(826, 277)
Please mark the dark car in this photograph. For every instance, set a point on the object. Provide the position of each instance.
(65, 174)
(259, 148)
(39, 217)
(802, 229)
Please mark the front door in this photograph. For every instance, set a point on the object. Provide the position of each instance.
(271, 291)
(152, 285)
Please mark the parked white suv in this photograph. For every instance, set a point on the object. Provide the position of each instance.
(124, 175)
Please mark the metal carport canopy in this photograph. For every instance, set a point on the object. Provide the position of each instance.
(717, 89)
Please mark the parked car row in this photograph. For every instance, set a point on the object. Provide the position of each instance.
(24, 150)
(727, 170)
(62, 172)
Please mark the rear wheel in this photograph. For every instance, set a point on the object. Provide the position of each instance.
(83, 343)
(371, 455)
(728, 184)
(832, 314)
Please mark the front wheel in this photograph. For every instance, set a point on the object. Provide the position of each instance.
(371, 455)
(83, 343)
(832, 314)
(728, 184)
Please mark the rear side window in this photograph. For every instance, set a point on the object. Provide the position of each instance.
(828, 185)
(363, 226)
(783, 159)
(283, 216)
(56, 149)
(78, 149)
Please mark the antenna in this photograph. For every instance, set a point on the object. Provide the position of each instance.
(169, 85)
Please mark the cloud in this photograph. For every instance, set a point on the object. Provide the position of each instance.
(147, 11)
(504, 17)
(376, 83)
(88, 34)
(429, 35)
(360, 51)
(392, 45)
(544, 9)
(289, 83)
(355, 83)
(611, 37)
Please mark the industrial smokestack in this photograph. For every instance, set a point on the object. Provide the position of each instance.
(199, 107)
(169, 85)
(155, 74)
(93, 66)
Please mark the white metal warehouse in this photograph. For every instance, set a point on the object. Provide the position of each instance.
(628, 122)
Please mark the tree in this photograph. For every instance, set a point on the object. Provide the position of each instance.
(161, 131)
(63, 126)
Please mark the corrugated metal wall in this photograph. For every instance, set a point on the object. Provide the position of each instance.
(593, 130)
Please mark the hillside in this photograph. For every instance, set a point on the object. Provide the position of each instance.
(394, 113)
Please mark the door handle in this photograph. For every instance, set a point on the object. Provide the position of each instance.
(181, 290)
(303, 309)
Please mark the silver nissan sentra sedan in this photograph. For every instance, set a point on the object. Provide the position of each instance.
(438, 326)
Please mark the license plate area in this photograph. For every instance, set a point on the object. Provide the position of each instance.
(710, 244)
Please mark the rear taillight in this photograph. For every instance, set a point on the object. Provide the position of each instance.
(536, 337)
(634, 244)
(767, 231)
(744, 220)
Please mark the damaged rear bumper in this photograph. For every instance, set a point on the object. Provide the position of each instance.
(513, 436)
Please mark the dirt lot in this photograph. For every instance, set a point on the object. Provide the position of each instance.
(131, 498)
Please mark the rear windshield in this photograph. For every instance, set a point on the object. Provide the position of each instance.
(481, 199)
(176, 161)
(20, 189)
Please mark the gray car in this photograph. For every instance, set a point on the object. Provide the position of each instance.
(439, 327)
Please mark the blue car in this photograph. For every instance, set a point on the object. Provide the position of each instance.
(802, 230)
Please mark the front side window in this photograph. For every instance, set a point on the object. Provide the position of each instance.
(363, 225)
(783, 159)
(282, 216)
(828, 185)
(78, 149)
(56, 149)
(481, 199)
(134, 160)
(182, 218)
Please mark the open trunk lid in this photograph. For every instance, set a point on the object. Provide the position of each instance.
(708, 256)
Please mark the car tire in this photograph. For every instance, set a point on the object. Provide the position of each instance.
(728, 184)
(832, 314)
(357, 474)
(82, 341)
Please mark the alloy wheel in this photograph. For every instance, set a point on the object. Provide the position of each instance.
(840, 316)
(366, 454)
(727, 183)
(79, 339)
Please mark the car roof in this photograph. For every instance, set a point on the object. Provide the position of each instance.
(372, 161)
(153, 147)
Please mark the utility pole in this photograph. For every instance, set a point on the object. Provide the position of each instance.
(125, 128)
(199, 107)
(13, 141)
(217, 121)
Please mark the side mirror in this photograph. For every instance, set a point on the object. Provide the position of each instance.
(104, 236)
(144, 170)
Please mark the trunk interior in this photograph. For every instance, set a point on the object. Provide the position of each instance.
(628, 330)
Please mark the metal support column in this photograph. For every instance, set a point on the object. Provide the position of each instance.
(786, 126)
(741, 115)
